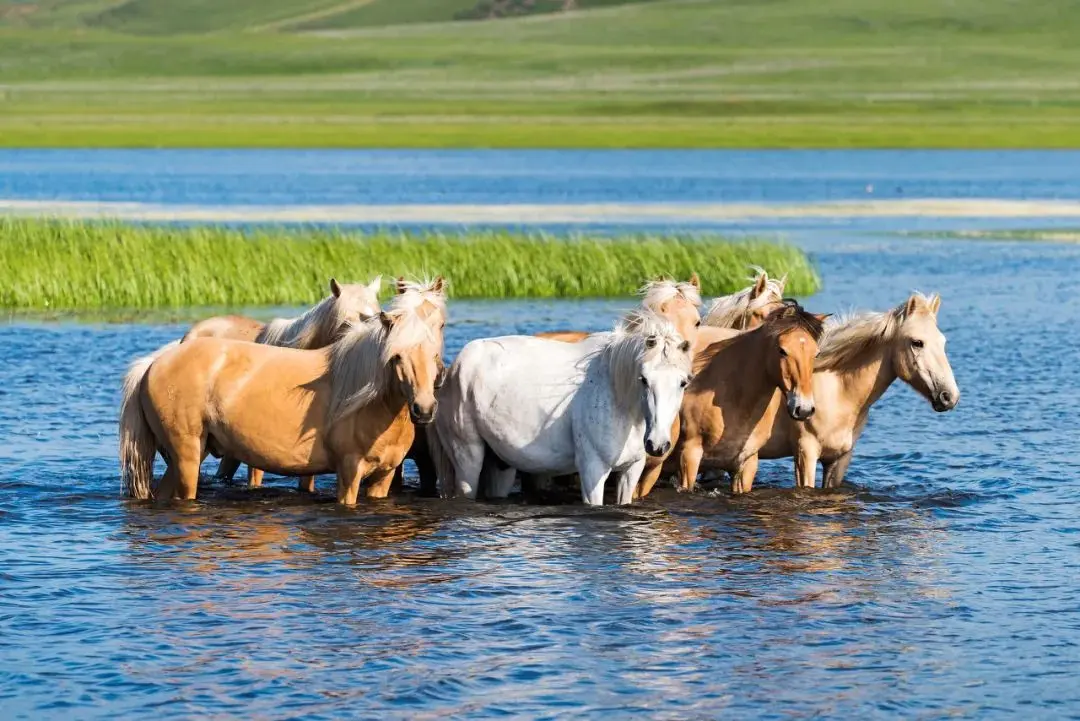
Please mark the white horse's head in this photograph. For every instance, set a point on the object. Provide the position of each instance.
(660, 370)
(919, 352)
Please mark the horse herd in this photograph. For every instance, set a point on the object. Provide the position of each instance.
(353, 389)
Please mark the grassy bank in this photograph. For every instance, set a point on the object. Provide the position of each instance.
(668, 73)
(59, 265)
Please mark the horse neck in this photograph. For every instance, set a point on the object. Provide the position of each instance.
(622, 399)
(740, 369)
(864, 383)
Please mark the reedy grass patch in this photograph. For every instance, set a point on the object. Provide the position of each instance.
(80, 265)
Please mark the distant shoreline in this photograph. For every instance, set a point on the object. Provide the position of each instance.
(537, 214)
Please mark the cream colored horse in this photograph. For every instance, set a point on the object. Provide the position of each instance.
(858, 359)
(348, 408)
(749, 307)
(320, 326)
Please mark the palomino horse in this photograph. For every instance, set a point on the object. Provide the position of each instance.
(345, 408)
(748, 308)
(678, 302)
(730, 407)
(320, 326)
(552, 408)
(858, 359)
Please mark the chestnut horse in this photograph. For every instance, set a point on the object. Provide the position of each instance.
(320, 326)
(348, 408)
(740, 382)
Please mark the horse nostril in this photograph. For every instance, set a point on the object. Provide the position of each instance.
(417, 411)
(945, 397)
(664, 449)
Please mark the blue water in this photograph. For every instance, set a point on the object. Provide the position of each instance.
(289, 177)
(940, 580)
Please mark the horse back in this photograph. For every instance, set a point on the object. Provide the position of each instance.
(232, 327)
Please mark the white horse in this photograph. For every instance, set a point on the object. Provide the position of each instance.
(553, 408)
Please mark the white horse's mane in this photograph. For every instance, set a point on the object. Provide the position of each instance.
(730, 310)
(628, 349)
(657, 292)
(849, 336)
(317, 326)
(360, 360)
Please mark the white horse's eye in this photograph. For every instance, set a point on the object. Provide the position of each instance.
(684, 384)
(643, 380)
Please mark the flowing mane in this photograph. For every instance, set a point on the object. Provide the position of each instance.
(360, 361)
(849, 337)
(657, 292)
(789, 316)
(304, 331)
(638, 337)
(731, 311)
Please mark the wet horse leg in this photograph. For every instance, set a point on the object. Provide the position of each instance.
(650, 474)
(743, 481)
(806, 459)
(189, 458)
(689, 463)
(379, 482)
(255, 477)
(834, 471)
(227, 469)
(593, 473)
(628, 483)
(351, 470)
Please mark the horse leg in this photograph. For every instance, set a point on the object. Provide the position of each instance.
(469, 464)
(806, 459)
(398, 484)
(227, 469)
(593, 472)
(500, 481)
(380, 481)
(425, 466)
(628, 481)
(255, 477)
(306, 484)
(351, 470)
(835, 471)
(189, 458)
(166, 487)
(689, 463)
(744, 478)
(649, 476)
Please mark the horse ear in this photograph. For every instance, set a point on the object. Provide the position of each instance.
(439, 285)
(935, 303)
(402, 286)
(760, 285)
(695, 281)
(376, 285)
(387, 320)
(335, 288)
(685, 346)
(912, 306)
(822, 316)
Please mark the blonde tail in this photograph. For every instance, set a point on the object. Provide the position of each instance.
(137, 442)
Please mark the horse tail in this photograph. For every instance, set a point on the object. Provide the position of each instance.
(444, 466)
(137, 442)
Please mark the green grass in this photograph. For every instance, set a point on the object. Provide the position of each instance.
(60, 265)
(667, 73)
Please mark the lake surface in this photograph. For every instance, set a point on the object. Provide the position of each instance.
(941, 579)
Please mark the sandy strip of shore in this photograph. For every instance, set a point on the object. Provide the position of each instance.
(544, 214)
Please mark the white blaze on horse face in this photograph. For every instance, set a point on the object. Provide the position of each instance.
(663, 383)
(923, 363)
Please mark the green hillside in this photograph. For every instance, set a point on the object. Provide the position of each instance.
(665, 73)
